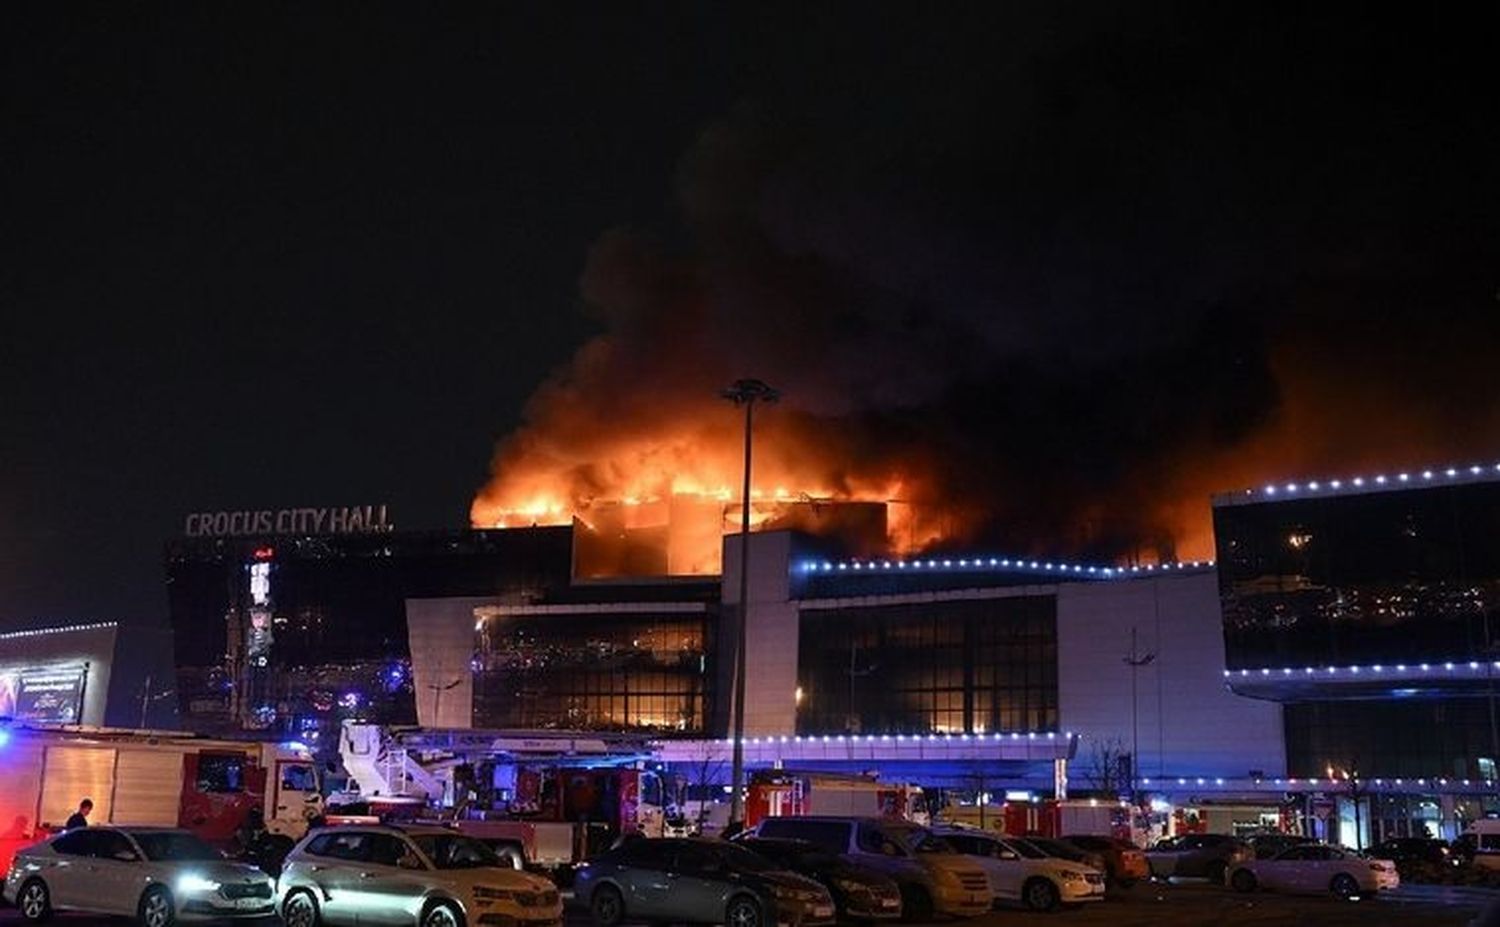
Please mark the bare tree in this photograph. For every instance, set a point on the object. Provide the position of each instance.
(1109, 766)
(703, 774)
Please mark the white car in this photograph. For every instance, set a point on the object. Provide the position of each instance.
(1019, 872)
(1316, 867)
(418, 876)
(153, 874)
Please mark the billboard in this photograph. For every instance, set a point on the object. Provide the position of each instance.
(46, 694)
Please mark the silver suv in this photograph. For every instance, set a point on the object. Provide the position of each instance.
(420, 876)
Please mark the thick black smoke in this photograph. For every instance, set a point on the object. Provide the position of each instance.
(1069, 286)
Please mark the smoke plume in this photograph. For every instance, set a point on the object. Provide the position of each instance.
(1048, 307)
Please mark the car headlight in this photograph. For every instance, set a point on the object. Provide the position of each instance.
(1072, 875)
(194, 884)
(493, 894)
(850, 886)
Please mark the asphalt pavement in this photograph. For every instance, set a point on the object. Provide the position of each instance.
(1193, 904)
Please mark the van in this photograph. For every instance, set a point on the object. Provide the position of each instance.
(1482, 841)
(934, 879)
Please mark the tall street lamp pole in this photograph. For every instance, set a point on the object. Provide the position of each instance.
(437, 699)
(743, 393)
(1135, 661)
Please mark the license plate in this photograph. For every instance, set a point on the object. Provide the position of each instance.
(249, 904)
(890, 902)
(823, 910)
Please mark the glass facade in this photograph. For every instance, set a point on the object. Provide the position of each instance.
(1404, 575)
(287, 636)
(961, 666)
(1411, 738)
(593, 670)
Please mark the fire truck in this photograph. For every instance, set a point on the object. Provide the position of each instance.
(542, 800)
(778, 793)
(164, 779)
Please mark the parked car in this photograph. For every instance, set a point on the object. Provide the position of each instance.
(1418, 851)
(1124, 863)
(859, 892)
(1202, 856)
(154, 875)
(698, 881)
(1271, 845)
(932, 876)
(1316, 868)
(1020, 872)
(427, 876)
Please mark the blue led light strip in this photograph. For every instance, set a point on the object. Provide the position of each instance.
(1404, 479)
(995, 737)
(1433, 668)
(988, 564)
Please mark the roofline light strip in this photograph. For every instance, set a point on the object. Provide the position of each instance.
(1398, 480)
(971, 564)
(64, 629)
(1437, 667)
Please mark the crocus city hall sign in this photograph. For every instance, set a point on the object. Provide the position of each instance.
(349, 519)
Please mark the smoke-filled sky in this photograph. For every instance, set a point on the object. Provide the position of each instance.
(1069, 266)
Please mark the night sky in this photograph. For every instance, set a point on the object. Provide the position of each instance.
(258, 256)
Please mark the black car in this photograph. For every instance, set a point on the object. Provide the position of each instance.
(1417, 852)
(860, 893)
(1272, 845)
(696, 881)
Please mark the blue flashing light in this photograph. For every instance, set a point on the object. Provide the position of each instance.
(4, 737)
(289, 745)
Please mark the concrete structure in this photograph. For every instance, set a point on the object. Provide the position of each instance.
(1185, 721)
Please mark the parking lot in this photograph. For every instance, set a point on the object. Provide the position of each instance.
(1191, 904)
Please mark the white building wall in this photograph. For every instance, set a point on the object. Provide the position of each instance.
(441, 635)
(770, 638)
(1188, 722)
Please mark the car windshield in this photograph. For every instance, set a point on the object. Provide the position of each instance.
(166, 845)
(455, 851)
(920, 840)
(1027, 849)
(738, 857)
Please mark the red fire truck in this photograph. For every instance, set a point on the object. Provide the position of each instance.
(778, 793)
(542, 800)
(160, 779)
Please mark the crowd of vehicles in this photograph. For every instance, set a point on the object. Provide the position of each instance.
(450, 829)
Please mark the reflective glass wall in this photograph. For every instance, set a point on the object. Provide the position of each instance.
(1412, 738)
(592, 671)
(964, 666)
(1404, 575)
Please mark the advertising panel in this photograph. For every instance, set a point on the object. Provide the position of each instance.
(46, 694)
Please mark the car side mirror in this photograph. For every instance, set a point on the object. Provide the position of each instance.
(1009, 854)
(408, 862)
(889, 849)
(126, 856)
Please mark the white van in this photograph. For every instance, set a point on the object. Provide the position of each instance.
(1483, 840)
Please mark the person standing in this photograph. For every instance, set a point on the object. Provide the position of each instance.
(80, 817)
